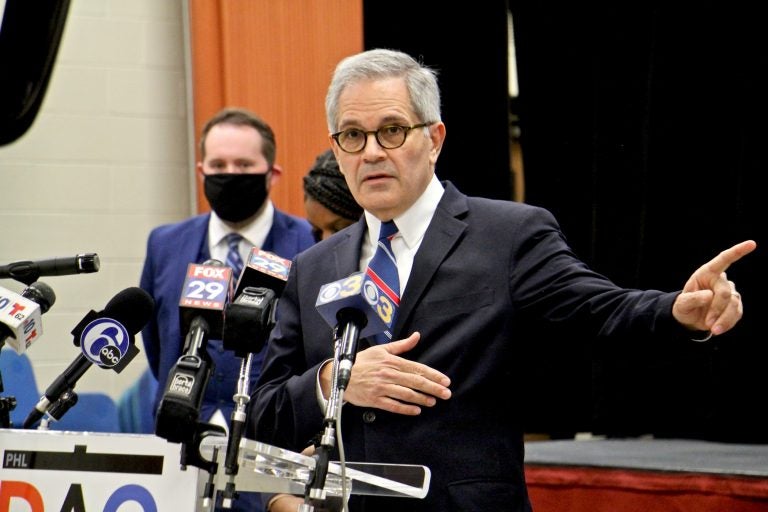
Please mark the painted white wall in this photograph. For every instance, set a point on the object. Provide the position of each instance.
(107, 159)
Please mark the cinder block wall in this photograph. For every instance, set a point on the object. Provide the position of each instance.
(107, 158)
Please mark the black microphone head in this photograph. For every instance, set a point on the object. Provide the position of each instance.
(132, 307)
(248, 320)
(106, 339)
(88, 263)
(40, 293)
(354, 315)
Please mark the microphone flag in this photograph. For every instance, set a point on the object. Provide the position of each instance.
(356, 291)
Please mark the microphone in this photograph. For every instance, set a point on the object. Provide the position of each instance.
(28, 272)
(106, 339)
(20, 322)
(356, 307)
(206, 290)
(248, 320)
(259, 286)
(264, 269)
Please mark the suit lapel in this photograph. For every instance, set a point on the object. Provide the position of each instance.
(280, 240)
(347, 252)
(434, 249)
(194, 243)
(436, 245)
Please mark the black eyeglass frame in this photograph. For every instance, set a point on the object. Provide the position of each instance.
(335, 136)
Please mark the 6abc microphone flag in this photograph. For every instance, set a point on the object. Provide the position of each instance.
(20, 313)
(106, 339)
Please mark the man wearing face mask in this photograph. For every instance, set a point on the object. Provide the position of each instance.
(238, 169)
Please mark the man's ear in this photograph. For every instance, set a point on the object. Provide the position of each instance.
(277, 171)
(437, 134)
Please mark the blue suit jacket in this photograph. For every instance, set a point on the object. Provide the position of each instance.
(483, 270)
(170, 248)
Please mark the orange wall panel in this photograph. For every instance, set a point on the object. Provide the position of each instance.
(274, 57)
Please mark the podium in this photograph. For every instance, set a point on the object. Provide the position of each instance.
(66, 470)
(59, 470)
(266, 468)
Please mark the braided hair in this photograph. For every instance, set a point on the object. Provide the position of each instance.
(325, 184)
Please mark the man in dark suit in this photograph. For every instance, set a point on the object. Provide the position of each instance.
(238, 167)
(472, 272)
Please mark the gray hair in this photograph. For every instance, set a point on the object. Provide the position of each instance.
(377, 64)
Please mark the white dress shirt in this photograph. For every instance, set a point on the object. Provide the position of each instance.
(411, 227)
(254, 233)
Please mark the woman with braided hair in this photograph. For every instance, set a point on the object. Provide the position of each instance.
(329, 205)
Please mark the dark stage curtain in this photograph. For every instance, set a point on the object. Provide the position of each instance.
(473, 81)
(643, 129)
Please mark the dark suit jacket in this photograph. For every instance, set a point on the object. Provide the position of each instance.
(483, 270)
(170, 248)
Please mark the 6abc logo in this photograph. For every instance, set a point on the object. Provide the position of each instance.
(104, 342)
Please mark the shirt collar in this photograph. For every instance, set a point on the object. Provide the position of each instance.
(255, 232)
(412, 224)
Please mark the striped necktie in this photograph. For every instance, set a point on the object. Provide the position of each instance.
(234, 261)
(382, 269)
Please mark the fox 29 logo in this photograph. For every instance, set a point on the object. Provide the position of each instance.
(104, 342)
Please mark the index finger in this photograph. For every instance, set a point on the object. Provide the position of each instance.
(726, 258)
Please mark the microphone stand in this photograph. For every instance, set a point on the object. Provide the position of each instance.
(195, 359)
(351, 322)
(58, 408)
(236, 429)
(177, 418)
(7, 404)
(259, 304)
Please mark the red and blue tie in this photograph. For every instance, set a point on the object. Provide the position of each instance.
(382, 270)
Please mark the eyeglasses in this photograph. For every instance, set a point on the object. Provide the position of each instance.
(389, 136)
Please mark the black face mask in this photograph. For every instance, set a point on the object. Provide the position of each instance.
(235, 197)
